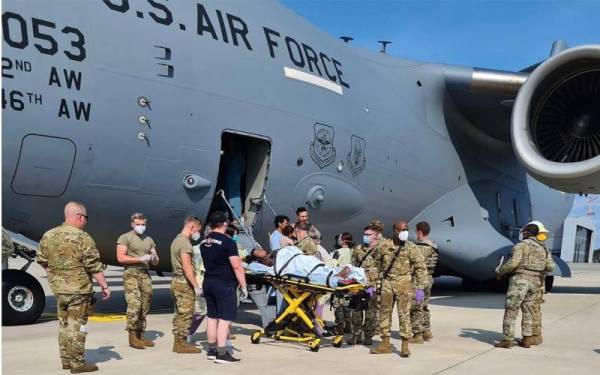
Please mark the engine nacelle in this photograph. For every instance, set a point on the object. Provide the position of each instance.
(556, 121)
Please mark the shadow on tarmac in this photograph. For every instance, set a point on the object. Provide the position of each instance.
(102, 354)
(483, 335)
(576, 289)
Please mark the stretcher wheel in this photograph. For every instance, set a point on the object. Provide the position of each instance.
(314, 345)
(337, 341)
(255, 338)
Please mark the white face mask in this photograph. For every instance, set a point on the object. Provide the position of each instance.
(403, 236)
(196, 236)
(139, 229)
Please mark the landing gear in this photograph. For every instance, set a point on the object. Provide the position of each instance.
(23, 298)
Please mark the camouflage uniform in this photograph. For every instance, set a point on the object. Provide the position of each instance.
(8, 248)
(181, 289)
(71, 258)
(343, 314)
(364, 322)
(420, 316)
(536, 324)
(308, 246)
(528, 262)
(397, 287)
(137, 282)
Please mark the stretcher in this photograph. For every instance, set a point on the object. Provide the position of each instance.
(298, 322)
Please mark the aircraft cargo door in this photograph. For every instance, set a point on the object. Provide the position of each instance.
(243, 173)
(44, 166)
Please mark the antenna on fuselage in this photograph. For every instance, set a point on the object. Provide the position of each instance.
(383, 44)
(346, 39)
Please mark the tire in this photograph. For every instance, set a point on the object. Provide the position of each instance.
(471, 285)
(23, 299)
(549, 283)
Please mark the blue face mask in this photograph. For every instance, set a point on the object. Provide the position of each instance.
(367, 240)
(235, 237)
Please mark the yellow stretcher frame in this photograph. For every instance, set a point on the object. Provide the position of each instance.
(296, 292)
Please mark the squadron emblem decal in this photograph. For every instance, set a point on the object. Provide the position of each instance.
(322, 151)
(357, 160)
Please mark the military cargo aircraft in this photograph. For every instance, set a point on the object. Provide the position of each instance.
(182, 107)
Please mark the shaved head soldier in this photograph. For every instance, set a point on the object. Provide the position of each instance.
(69, 256)
(419, 313)
(135, 250)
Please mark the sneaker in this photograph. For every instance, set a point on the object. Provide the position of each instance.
(212, 354)
(226, 358)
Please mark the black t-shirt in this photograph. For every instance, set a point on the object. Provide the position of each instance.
(215, 249)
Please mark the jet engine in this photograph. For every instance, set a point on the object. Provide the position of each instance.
(556, 121)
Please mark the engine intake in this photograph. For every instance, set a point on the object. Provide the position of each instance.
(556, 121)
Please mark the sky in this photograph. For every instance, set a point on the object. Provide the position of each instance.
(505, 35)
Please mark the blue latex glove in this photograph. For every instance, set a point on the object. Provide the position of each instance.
(420, 295)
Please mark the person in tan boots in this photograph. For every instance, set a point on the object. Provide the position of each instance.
(398, 262)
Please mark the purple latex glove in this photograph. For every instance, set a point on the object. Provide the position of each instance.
(420, 295)
(371, 291)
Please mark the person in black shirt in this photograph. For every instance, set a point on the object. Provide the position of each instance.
(223, 274)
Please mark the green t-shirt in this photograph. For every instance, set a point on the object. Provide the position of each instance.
(136, 246)
(181, 244)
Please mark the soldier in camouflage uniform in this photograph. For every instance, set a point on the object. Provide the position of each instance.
(364, 322)
(397, 261)
(528, 262)
(70, 258)
(184, 286)
(8, 248)
(341, 257)
(134, 251)
(420, 316)
(536, 325)
(305, 243)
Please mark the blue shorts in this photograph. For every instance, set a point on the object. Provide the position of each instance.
(221, 300)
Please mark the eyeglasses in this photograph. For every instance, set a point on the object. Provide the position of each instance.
(86, 216)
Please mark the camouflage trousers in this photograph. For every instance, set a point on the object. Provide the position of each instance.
(343, 315)
(184, 299)
(365, 322)
(399, 293)
(420, 317)
(536, 324)
(138, 295)
(72, 312)
(521, 294)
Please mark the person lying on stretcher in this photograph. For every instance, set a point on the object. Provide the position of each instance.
(291, 261)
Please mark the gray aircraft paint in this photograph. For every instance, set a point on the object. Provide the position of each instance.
(403, 147)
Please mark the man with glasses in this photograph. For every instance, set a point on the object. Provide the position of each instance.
(363, 322)
(71, 259)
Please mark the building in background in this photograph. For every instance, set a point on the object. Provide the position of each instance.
(576, 240)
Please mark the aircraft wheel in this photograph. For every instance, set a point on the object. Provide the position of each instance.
(549, 283)
(23, 298)
(314, 345)
(337, 341)
(255, 338)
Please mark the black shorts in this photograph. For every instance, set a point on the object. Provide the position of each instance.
(221, 300)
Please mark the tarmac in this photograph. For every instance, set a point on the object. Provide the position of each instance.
(465, 325)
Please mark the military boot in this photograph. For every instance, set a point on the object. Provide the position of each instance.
(368, 340)
(355, 340)
(146, 342)
(417, 339)
(86, 367)
(134, 341)
(525, 342)
(536, 340)
(66, 366)
(182, 347)
(506, 344)
(427, 335)
(404, 352)
(384, 348)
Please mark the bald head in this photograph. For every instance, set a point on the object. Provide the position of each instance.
(400, 226)
(76, 214)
